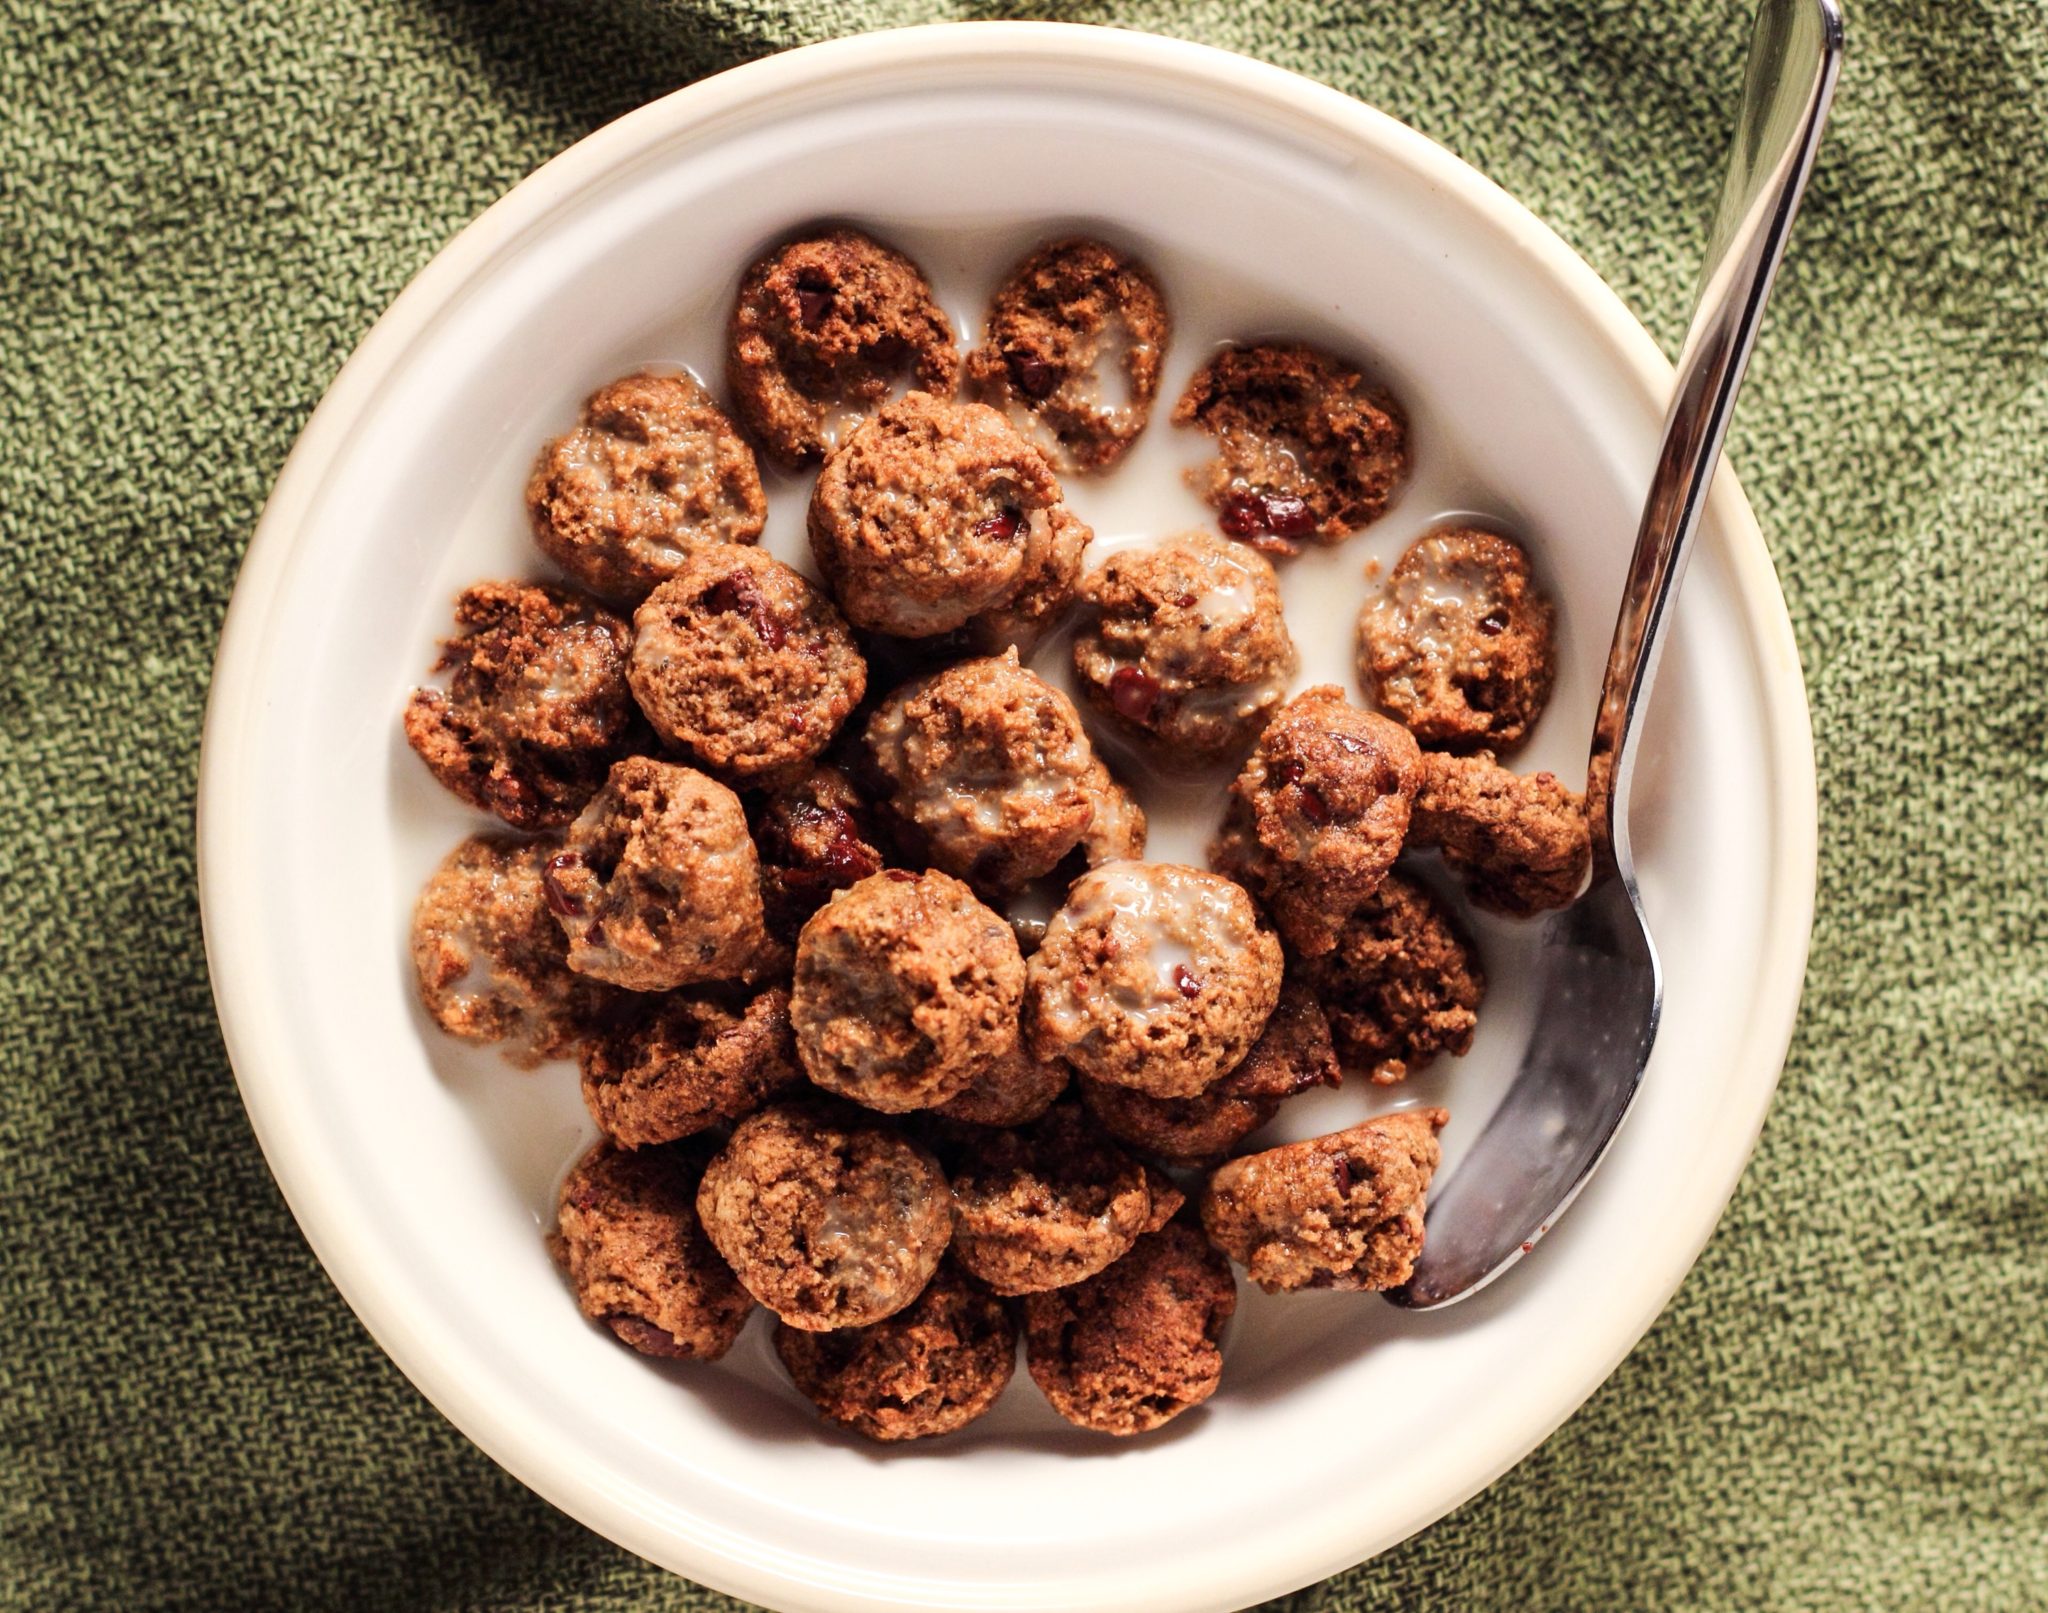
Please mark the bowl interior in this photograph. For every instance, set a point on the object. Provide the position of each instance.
(425, 1172)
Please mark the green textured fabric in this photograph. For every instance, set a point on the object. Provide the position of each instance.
(203, 205)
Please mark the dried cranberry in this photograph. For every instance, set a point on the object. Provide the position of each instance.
(902, 876)
(1000, 527)
(644, 1336)
(849, 859)
(1493, 623)
(1342, 1167)
(1287, 516)
(560, 902)
(1313, 806)
(1241, 515)
(1269, 521)
(1035, 378)
(594, 936)
(813, 302)
(1185, 601)
(1134, 693)
(1284, 772)
(1186, 981)
(739, 595)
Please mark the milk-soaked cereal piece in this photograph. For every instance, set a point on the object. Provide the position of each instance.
(906, 987)
(827, 1216)
(536, 707)
(1184, 645)
(1152, 976)
(688, 1061)
(657, 885)
(1342, 1211)
(1520, 842)
(653, 473)
(815, 835)
(1458, 648)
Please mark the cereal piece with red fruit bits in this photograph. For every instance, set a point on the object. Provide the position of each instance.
(1520, 842)
(815, 835)
(688, 1061)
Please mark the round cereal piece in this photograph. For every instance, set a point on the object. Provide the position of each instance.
(1342, 1211)
(1292, 1054)
(825, 328)
(741, 663)
(905, 988)
(1047, 1205)
(1521, 843)
(931, 1368)
(688, 1061)
(828, 1218)
(815, 836)
(489, 957)
(654, 472)
(1458, 647)
(935, 515)
(1013, 1090)
(1318, 813)
(1402, 984)
(1305, 448)
(627, 1234)
(1134, 1346)
(987, 769)
(1072, 349)
(1184, 644)
(536, 707)
(657, 885)
(1152, 976)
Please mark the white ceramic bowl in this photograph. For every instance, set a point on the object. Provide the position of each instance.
(423, 1172)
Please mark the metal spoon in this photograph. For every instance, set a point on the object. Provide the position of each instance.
(1598, 978)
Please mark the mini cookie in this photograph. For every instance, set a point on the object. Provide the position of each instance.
(823, 331)
(1402, 984)
(654, 472)
(1134, 1346)
(490, 960)
(1293, 1054)
(906, 987)
(1318, 814)
(1152, 976)
(1520, 843)
(815, 836)
(930, 1369)
(628, 1236)
(658, 885)
(1012, 1090)
(1304, 447)
(986, 766)
(1049, 1205)
(689, 1061)
(1342, 1211)
(827, 1218)
(935, 515)
(1185, 645)
(743, 664)
(1072, 349)
(1458, 647)
(536, 708)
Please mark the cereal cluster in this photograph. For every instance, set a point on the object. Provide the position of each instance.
(763, 836)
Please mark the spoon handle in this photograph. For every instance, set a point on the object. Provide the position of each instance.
(1795, 54)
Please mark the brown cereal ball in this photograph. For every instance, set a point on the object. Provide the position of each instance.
(1293, 1054)
(490, 959)
(1136, 1345)
(1318, 814)
(987, 769)
(1184, 644)
(930, 1369)
(1117, 831)
(815, 836)
(938, 514)
(1048, 1205)
(1072, 350)
(1458, 647)
(1402, 984)
(828, 1218)
(1342, 1211)
(824, 330)
(744, 665)
(1520, 843)
(1152, 976)
(1304, 446)
(688, 1061)
(654, 472)
(536, 708)
(906, 987)
(1013, 1090)
(658, 885)
(628, 1236)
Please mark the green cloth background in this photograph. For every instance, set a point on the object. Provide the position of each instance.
(205, 203)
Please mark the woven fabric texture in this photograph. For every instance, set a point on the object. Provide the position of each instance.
(203, 206)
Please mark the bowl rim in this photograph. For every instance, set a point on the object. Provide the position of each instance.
(251, 1025)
